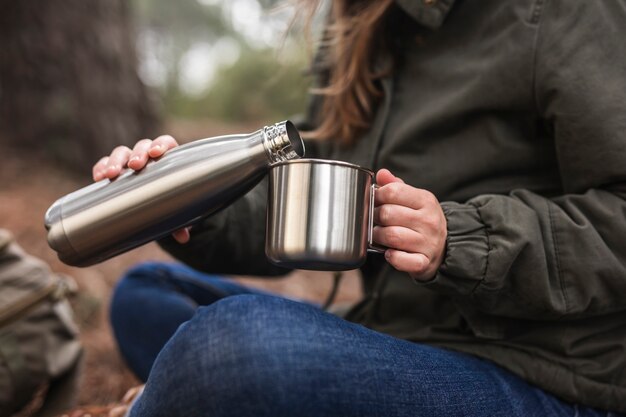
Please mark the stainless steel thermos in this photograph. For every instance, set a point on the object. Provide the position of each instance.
(189, 182)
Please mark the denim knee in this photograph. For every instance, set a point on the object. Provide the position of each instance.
(244, 327)
(248, 350)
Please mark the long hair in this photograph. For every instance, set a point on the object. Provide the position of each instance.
(352, 40)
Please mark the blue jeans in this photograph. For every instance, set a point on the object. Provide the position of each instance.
(210, 347)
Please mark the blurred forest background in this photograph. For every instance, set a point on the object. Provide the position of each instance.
(79, 77)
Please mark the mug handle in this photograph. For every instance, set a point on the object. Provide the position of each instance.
(371, 247)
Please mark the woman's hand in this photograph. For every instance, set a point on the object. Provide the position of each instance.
(135, 159)
(123, 157)
(411, 223)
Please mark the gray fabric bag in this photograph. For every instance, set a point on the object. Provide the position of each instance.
(39, 345)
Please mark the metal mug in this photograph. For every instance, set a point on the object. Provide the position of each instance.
(320, 215)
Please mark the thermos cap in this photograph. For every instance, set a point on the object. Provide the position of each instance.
(283, 142)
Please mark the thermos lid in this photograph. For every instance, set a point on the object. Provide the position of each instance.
(283, 142)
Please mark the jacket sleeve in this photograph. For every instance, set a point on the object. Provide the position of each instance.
(526, 256)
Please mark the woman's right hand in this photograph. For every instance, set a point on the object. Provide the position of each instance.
(135, 159)
(123, 157)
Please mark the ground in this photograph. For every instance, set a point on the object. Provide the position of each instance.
(30, 184)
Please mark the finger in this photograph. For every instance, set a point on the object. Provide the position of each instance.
(424, 221)
(396, 215)
(98, 169)
(139, 156)
(384, 177)
(398, 237)
(161, 145)
(182, 235)
(416, 264)
(404, 195)
(117, 161)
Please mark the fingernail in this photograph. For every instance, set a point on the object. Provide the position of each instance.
(135, 158)
(387, 254)
(156, 148)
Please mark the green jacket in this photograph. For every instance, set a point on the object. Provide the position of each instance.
(513, 113)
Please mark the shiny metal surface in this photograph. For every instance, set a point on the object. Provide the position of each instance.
(318, 214)
(189, 182)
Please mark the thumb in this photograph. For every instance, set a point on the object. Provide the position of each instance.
(384, 177)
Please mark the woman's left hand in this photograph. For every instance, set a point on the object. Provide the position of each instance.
(410, 222)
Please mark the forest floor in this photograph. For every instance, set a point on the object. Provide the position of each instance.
(30, 184)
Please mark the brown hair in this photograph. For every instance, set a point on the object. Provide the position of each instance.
(350, 93)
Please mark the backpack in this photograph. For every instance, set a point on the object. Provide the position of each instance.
(39, 346)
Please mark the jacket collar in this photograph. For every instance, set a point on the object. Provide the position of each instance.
(430, 13)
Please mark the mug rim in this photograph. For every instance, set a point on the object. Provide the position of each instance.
(323, 162)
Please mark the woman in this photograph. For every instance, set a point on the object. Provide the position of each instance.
(498, 132)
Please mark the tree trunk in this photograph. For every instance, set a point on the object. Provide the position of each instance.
(68, 79)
